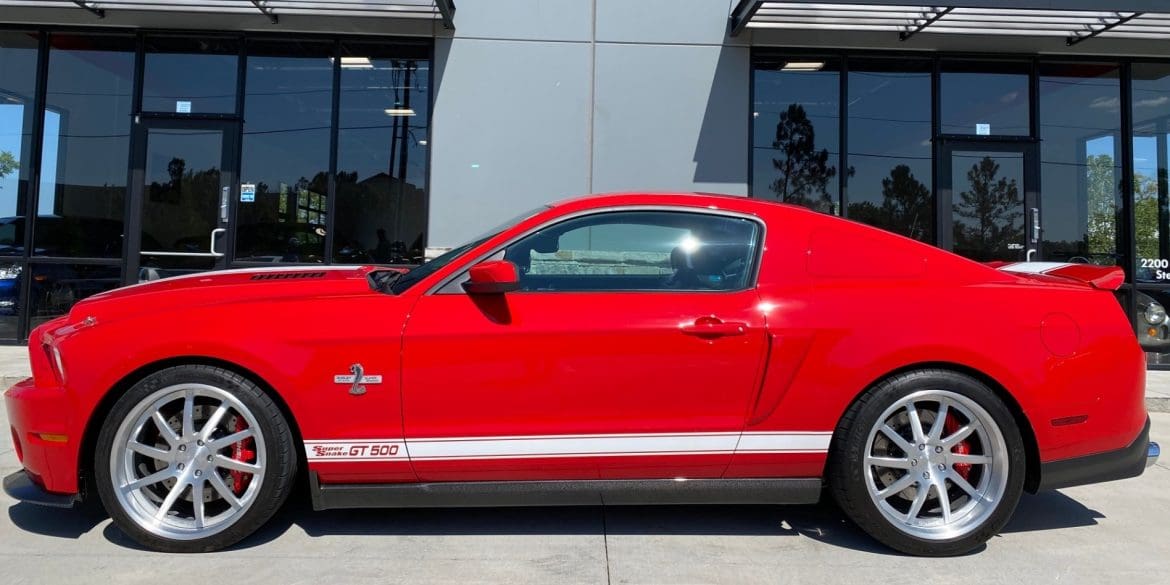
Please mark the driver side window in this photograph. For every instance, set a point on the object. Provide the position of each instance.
(638, 251)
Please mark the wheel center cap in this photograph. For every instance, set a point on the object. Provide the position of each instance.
(199, 457)
(194, 456)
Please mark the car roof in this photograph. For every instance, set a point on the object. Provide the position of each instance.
(668, 198)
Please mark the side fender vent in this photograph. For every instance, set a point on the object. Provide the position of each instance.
(287, 275)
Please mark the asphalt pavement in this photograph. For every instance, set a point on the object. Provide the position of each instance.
(1106, 533)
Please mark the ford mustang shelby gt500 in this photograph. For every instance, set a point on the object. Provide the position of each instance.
(614, 349)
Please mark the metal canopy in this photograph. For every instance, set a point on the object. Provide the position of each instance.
(1022, 18)
(443, 10)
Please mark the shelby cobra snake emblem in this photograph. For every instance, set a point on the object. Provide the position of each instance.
(357, 379)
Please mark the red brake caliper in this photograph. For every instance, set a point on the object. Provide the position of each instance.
(242, 451)
(950, 426)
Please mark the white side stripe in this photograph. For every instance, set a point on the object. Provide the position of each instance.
(784, 443)
(556, 446)
(526, 447)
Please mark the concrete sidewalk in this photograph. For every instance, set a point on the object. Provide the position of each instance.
(14, 367)
(1158, 391)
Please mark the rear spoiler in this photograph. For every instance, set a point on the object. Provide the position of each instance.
(1099, 277)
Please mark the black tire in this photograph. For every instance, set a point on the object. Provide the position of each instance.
(278, 453)
(849, 480)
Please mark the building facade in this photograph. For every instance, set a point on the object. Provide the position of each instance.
(141, 139)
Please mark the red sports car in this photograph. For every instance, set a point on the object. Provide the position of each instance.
(616, 349)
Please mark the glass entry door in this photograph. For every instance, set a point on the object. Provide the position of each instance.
(989, 208)
(183, 179)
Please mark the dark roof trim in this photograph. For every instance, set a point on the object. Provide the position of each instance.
(447, 11)
(1075, 38)
(1075, 5)
(741, 15)
(1074, 20)
(443, 10)
(265, 10)
(906, 34)
(98, 12)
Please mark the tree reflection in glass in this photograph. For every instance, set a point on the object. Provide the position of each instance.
(988, 215)
(804, 171)
(906, 205)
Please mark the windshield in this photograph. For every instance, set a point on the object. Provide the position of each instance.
(424, 270)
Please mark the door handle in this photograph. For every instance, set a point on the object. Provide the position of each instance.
(711, 327)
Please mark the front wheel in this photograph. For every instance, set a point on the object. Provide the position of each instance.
(192, 459)
(929, 463)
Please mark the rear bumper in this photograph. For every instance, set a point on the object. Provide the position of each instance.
(1123, 463)
(20, 486)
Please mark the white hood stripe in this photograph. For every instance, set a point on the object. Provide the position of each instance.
(1033, 267)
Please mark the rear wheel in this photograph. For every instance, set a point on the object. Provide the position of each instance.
(929, 463)
(192, 459)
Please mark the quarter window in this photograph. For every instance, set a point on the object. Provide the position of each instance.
(639, 251)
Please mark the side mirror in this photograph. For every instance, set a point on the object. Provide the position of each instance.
(492, 277)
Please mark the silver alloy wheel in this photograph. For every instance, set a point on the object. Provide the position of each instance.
(929, 481)
(173, 458)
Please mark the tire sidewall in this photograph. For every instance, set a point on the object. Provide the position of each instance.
(848, 480)
(278, 448)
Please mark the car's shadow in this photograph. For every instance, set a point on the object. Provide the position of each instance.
(56, 522)
(822, 522)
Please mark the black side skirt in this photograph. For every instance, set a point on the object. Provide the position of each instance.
(564, 493)
(1123, 463)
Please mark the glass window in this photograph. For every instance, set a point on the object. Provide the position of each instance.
(985, 98)
(190, 75)
(18, 75)
(85, 148)
(639, 250)
(381, 155)
(1151, 165)
(890, 171)
(796, 129)
(1080, 162)
(288, 104)
(56, 287)
(1151, 204)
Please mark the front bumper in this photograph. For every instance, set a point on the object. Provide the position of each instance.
(1123, 463)
(43, 433)
(20, 486)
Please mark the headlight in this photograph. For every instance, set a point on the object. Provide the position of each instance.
(9, 272)
(56, 364)
(1155, 313)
